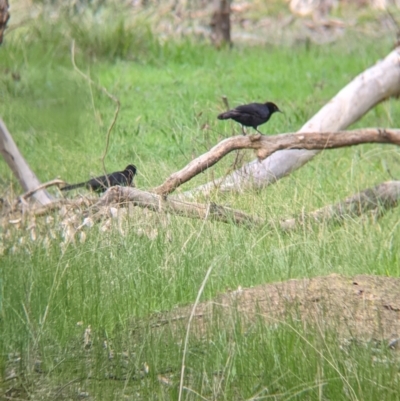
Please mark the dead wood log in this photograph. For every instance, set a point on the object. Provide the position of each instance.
(21, 205)
(157, 203)
(366, 90)
(379, 199)
(18, 165)
(267, 145)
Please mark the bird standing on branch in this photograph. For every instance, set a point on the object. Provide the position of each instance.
(102, 183)
(251, 115)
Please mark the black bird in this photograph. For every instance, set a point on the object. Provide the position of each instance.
(251, 115)
(102, 183)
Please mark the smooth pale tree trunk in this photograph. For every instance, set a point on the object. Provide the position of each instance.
(374, 85)
(19, 166)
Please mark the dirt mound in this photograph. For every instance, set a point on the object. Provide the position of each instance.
(365, 307)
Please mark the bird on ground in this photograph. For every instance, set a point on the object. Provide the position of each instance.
(103, 182)
(251, 115)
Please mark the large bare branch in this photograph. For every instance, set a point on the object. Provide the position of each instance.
(379, 198)
(157, 203)
(267, 145)
(19, 166)
(368, 89)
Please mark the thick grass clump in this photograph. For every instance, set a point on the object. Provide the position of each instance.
(77, 318)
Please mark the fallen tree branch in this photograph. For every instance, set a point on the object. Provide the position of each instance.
(82, 203)
(380, 198)
(377, 83)
(156, 203)
(266, 145)
(23, 211)
(22, 199)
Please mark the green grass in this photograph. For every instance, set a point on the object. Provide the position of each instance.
(51, 291)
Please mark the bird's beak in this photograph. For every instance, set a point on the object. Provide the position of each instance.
(280, 111)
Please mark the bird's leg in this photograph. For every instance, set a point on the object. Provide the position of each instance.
(243, 131)
(258, 131)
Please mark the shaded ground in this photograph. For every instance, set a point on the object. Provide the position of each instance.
(363, 307)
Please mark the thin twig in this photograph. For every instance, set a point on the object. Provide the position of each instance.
(110, 95)
(226, 102)
(42, 186)
(397, 25)
(65, 386)
(195, 392)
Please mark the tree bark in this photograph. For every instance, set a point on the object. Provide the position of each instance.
(267, 145)
(368, 89)
(379, 198)
(19, 166)
(4, 17)
(158, 204)
(221, 24)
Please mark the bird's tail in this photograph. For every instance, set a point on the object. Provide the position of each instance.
(225, 116)
(73, 186)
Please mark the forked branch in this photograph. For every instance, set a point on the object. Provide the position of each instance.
(266, 145)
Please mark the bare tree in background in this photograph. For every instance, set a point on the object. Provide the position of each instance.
(4, 17)
(221, 23)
